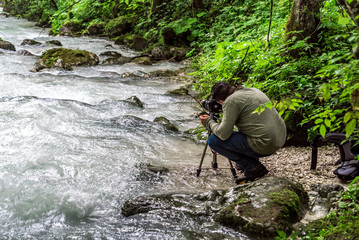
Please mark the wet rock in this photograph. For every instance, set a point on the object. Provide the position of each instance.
(142, 61)
(179, 54)
(151, 173)
(7, 45)
(30, 42)
(96, 29)
(325, 190)
(54, 42)
(65, 59)
(71, 29)
(267, 205)
(134, 100)
(179, 92)
(144, 204)
(160, 53)
(117, 60)
(119, 26)
(139, 43)
(136, 74)
(166, 123)
(25, 53)
(259, 208)
(162, 73)
(111, 54)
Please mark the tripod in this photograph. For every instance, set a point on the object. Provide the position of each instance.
(214, 161)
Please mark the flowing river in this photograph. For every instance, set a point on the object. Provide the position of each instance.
(70, 157)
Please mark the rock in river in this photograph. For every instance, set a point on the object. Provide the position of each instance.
(65, 58)
(259, 208)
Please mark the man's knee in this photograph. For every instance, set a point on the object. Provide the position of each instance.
(213, 141)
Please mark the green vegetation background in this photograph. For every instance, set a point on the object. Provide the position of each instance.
(229, 40)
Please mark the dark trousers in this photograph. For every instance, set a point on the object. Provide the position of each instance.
(236, 149)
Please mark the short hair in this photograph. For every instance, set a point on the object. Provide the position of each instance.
(220, 91)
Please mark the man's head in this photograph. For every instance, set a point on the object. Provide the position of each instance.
(221, 90)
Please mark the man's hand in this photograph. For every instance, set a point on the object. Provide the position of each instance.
(203, 119)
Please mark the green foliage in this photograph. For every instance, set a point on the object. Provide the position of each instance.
(324, 76)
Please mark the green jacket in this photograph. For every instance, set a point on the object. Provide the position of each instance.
(266, 132)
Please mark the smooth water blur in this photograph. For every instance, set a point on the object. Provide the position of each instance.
(71, 154)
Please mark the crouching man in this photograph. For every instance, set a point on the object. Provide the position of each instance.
(258, 135)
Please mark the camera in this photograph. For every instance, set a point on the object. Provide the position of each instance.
(212, 106)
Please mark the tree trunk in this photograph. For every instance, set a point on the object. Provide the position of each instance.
(352, 10)
(197, 4)
(303, 22)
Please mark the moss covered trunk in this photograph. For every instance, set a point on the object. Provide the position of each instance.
(303, 21)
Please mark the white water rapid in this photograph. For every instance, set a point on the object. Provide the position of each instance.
(69, 159)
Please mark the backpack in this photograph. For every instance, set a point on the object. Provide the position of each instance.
(349, 168)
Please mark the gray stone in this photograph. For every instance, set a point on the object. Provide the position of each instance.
(7, 45)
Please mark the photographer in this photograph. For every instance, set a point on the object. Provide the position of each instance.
(258, 135)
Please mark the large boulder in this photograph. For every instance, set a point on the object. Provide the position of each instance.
(258, 208)
(262, 208)
(66, 58)
(7, 45)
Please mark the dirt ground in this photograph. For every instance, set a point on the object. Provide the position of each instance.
(294, 163)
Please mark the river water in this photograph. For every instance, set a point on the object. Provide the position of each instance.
(70, 158)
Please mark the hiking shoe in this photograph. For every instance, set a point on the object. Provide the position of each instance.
(252, 175)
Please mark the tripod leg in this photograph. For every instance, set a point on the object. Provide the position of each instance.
(232, 169)
(214, 162)
(204, 153)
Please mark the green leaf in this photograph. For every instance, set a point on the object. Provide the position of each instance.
(327, 123)
(322, 130)
(319, 120)
(343, 20)
(350, 127)
(347, 117)
(201, 14)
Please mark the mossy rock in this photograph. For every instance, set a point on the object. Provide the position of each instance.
(111, 54)
(66, 58)
(270, 204)
(135, 101)
(7, 45)
(71, 28)
(139, 43)
(162, 73)
(117, 60)
(160, 53)
(54, 42)
(179, 54)
(166, 123)
(178, 92)
(118, 26)
(142, 61)
(96, 29)
(24, 53)
(30, 42)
